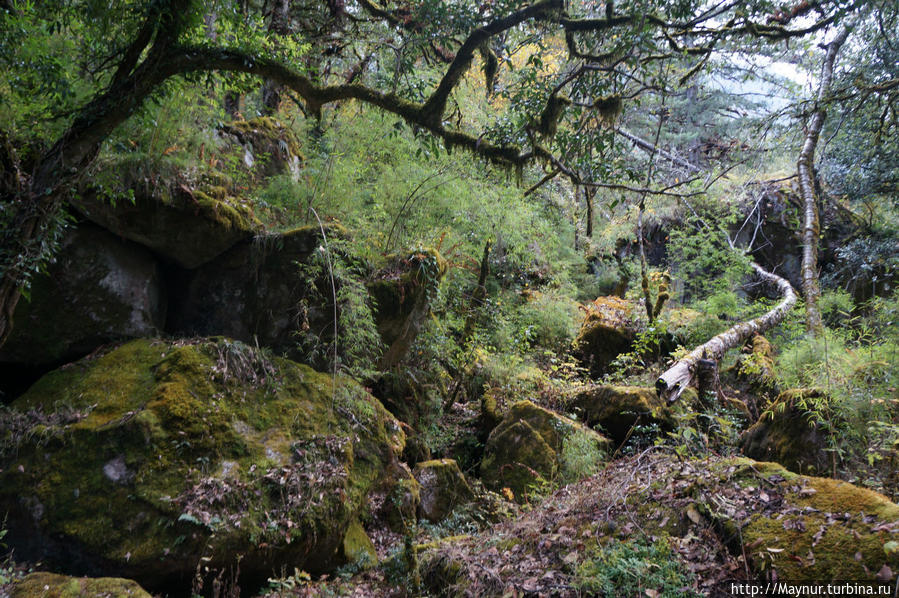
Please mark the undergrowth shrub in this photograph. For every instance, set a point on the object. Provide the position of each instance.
(635, 568)
(357, 346)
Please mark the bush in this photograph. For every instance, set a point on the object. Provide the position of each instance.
(633, 568)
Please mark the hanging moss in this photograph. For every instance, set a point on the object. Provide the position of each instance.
(609, 109)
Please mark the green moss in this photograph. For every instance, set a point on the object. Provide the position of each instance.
(231, 216)
(50, 585)
(527, 450)
(443, 488)
(357, 547)
(134, 482)
(616, 409)
(823, 530)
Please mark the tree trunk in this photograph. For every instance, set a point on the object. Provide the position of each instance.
(589, 193)
(682, 374)
(810, 221)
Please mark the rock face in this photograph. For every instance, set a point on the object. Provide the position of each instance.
(252, 293)
(788, 434)
(146, 460)
(100, 290)
(50, 585)
(605, 333)
(616, 409)
(443, 488)
(189, 227)
(532, 446)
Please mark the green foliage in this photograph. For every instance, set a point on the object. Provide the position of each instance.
(632, 567)
(857, 370)
(329, 276)
(702, 258)
(581, 457)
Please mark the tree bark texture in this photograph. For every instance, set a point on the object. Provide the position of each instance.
(810, 221)
(682, 374)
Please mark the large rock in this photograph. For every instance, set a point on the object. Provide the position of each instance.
(443, 488)
(186, 226)
(100, 289)
(814, 529)
(789, 433)
(253, 293)
(257, 292)
(533, 447)
(606, 332)
(712, 521)
(51, 585)
(618, 409)
(159, 457)
(402, 294)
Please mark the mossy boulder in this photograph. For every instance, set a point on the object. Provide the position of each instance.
(790, 432)
(402, 292)
(755, 366)
(816, 529)
(443, 488)
(100, 289)
(528, 449)
(268, 146)
(357, 547)
(188, 226)
(617, 409)
(606, 332)
(397, 504)
(51, 585)
(158, 457)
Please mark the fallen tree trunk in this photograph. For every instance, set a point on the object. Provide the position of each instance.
(682, 374)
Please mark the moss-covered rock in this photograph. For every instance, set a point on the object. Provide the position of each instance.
(617, 409)
(154, 456)
(606, 332)
(402, 292)
(789, 432)
(100, 289)
(397, 504)
(269, 147)
(443, 488)
(357, 547)
(528, 449)
(755, 366)
(51, 585)
(187, 226)
(817, 529)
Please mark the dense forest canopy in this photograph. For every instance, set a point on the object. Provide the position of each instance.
(545, 62)
(312, 286)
